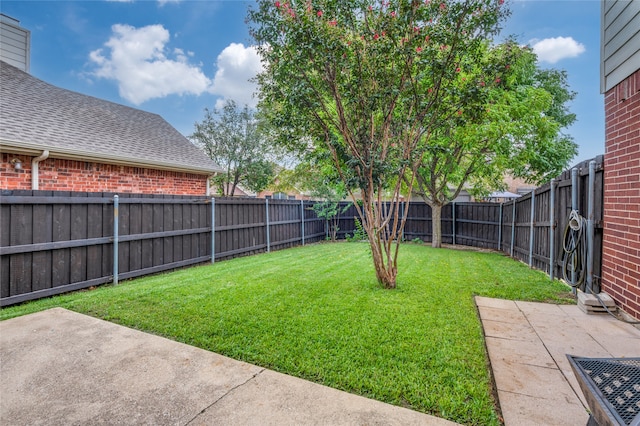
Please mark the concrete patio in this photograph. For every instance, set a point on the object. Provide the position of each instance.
(528, 343)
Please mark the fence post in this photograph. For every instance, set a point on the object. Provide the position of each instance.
(402, 208)
(116, 205)
(574, 188)
(453, 228)
(552, 228)
(213, 230)
(302, 219)
(500, 229)
(513, 226)
(266, 203)
(574, 206)
(531, 233)
(590, 230)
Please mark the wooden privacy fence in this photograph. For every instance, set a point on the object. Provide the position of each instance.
(471, 224)
(241, 225)
(530, 228)
(54, 242)
(533, 227)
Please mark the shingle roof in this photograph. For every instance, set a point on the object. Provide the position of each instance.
(38, 115)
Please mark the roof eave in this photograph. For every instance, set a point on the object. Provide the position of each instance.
(27, 148)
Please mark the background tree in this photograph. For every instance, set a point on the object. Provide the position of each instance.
(510, 122)
(330, 210)
(316, 176)
(234, 138)
(368, 80)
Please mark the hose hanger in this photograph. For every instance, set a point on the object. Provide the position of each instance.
(574, 246)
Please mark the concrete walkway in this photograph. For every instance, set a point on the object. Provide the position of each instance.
(60, 367)
(527, 344)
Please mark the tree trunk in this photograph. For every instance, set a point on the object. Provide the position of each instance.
(436, 225)
(334, 230)
(372, 217)
(385, 272)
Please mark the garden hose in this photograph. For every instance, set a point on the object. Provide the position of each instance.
(604, 305)
(574, 261)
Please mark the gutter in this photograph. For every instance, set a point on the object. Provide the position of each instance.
(35, 181)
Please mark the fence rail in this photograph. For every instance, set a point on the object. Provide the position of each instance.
(54, 242)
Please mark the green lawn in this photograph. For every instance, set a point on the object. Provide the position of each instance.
(316, 312)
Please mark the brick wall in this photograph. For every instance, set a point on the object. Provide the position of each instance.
(621, 244)
(69, 175)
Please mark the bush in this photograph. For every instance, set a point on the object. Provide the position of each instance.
(359, 234)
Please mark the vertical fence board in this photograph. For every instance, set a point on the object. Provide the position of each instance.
(107, 231)
(167, 242)
(232, 220)
(61, 232)
(158, 226)
(20, 264)
(186, 224)
(42, 233)
(222, 219)
(5, 231)
(233, 239)
(135, 227)
(193, 224)
(177, 225)
(124, 226)
(147, 225)
(78, 255)
(204, 240)
(447, 225)
(541, 230)
(94, 230)
(244, 237)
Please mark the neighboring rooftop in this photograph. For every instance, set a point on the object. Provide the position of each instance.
(35, 116)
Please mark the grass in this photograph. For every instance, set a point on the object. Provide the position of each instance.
(316, 312)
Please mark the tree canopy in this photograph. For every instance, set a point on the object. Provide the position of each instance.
(370, 80)
(510, 122)
(234, 138)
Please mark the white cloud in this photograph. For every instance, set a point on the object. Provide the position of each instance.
(136, 60)
(236, 65)
(556, 48)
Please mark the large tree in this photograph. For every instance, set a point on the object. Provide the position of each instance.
(510, 122)
(370, 80)
(234, 138)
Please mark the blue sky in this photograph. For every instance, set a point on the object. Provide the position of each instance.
(175, 58)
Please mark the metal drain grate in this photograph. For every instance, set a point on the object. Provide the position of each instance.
(614, 385)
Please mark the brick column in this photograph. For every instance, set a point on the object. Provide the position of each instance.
(621, 243)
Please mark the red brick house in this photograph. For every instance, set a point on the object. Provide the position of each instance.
(55, 139)
(620, 83)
